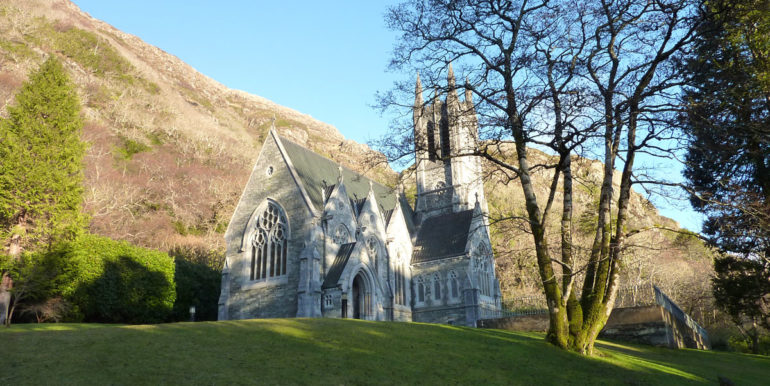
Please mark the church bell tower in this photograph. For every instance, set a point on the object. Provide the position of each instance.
(449, 175)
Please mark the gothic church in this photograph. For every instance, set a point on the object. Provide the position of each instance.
(310, 238)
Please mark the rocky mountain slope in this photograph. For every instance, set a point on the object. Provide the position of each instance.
(171, 149)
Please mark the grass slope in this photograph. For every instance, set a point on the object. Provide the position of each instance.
(332, 351)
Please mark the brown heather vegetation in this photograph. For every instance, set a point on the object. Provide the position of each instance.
(171, 149)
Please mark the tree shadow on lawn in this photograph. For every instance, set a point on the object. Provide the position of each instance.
(346, 351)
(333, 351)
(709, 365)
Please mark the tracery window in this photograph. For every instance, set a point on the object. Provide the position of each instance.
(270, 243)
(436, 287)
(454, 285)
(483, 269)
(341, 235)
(420, 290)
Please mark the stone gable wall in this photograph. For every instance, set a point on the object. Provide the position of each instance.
(276, 298)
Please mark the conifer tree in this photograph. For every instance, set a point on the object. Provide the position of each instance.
(41, 162)
(41, 168)
(728, 160)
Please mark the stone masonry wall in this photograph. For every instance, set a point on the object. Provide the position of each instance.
(278, 297)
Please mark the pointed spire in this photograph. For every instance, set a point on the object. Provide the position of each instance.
(371, 187)
(418, 92)
(452, 99)
(339, 179)
(468, 93)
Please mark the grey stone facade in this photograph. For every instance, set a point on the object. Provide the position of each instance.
(310, 238)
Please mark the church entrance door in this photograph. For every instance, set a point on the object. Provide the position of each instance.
(359, 297)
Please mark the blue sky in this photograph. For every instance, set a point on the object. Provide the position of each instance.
(322, 58)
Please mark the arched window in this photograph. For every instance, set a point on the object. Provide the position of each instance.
(482, 268)
(341, 234)
(454, 285)
(420, 290)
(399, 277)
(436, 287)
(270, 243)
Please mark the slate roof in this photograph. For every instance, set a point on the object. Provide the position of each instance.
(442, 236)
(316, 171)
(333, 275)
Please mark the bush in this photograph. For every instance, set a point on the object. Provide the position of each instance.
(196, 285)
(116, 282)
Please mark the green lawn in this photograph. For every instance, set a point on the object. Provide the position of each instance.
(333, 351)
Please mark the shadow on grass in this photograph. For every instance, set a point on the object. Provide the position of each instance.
(333, 351)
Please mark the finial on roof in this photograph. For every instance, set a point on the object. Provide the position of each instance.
(272, 124)
(468, 92)
(418, 92)
(451, 98)
(371, 186)
(339, 179)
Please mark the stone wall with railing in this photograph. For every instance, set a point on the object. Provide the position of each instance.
(641, 314)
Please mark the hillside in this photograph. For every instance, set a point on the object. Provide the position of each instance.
(171, 149)
(335, 351)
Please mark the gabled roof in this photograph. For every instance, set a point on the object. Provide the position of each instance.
(317, 172)
(333, 275)
(442, 236)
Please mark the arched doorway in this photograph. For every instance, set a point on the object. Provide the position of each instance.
(361, 297)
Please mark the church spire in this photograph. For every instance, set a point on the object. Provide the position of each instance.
(418, 93)
(451, 77)
(452, 100)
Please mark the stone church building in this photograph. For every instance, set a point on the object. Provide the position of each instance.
(310, 238)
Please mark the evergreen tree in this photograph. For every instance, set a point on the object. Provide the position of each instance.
(41, 163)
(41, 169)
(728, 161)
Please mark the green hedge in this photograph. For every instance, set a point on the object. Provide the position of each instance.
(196, 285)
(115, 282)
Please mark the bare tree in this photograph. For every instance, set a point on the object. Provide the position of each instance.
(571, 78)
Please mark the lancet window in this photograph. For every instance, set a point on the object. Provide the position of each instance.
(454, 285)
(420, 290)
(400, 278)
(270, 244)
(436, 287)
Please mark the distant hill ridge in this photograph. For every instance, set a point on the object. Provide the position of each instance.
(170, 147)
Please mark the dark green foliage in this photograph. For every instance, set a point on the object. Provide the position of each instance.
(742, 289)
(196, 285)
(36, 279)
(41, 161)
(728, 160)
(728, 123)
(116, 282)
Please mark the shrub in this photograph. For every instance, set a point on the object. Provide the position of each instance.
(196, 285)
(116, 282)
